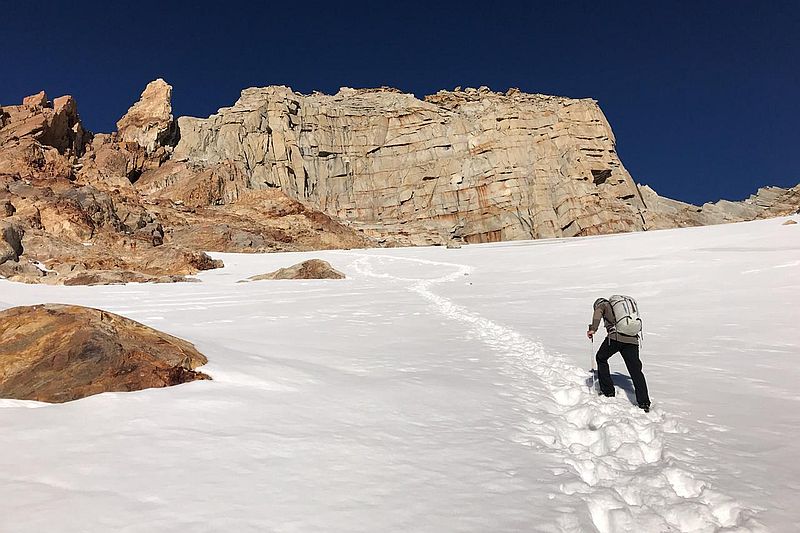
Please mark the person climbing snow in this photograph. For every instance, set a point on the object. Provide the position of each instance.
(620, 316)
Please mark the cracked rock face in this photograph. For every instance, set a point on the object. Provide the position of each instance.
(148, 122)
(472, 165)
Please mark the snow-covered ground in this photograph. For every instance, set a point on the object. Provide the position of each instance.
(439, 390)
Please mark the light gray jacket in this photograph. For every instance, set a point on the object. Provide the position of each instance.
(604, 311)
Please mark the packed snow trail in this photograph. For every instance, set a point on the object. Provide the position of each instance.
(628, 478)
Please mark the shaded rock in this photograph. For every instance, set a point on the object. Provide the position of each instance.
(55, 125)
(154, 232)
(311, 269)
(789, 222)
(28, 159)
(259, 221)
(148, 122)
(7, 208)
(117, 164)
(58, 353)
(114, 277)
(195, 185)
(10, 242)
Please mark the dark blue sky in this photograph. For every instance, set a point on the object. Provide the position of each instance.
(702, 96)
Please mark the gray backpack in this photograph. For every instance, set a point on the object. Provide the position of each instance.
(626, 315)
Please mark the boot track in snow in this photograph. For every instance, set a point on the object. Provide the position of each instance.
(629, 480)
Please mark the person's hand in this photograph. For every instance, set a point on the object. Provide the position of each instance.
(590, 334)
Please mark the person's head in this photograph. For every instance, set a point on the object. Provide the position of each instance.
(598, 302)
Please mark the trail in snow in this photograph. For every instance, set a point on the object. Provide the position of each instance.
(622, 469)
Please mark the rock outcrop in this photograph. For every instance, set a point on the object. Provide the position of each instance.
(39, 138)
(75, 211)
(10, 242)
(767, 202)
(282, 171)
(474, 164)
(311, 269)
(58, 353)
(148, 122)
(466, 165)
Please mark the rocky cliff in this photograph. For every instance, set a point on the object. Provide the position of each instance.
(281, 170)
(473, 165)
(70, 212)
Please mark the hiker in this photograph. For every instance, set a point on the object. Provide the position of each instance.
(616, 341)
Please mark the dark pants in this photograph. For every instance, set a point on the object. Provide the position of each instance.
(630, 353)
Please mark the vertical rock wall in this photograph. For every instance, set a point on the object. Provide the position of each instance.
(473, 165)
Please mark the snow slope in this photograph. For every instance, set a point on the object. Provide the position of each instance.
(439, 390)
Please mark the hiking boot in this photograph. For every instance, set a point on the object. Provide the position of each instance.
(645, 407)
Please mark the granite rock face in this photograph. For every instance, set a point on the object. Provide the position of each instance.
(58, 353)
(472, 165)
(148, 122)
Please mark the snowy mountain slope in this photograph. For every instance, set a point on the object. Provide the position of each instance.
(439, 390)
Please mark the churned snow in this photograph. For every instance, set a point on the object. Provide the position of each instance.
(439, 390)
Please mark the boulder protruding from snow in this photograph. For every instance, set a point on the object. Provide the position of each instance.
(58, 353)
(311, 269)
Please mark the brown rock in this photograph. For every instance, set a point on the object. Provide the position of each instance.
(194, 185)
(37, 141)
(64, 131)
(58, 353)
(114, 277)
(259, 221)
(35, 101)
(10, 242)
(311, 269)
(7, 208)
(148, 122)
(789, 222)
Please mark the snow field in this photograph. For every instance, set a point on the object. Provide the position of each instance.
(438, 390)
(616, 451)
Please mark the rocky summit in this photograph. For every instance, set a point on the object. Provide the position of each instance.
(283, 171)
(57, 353)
